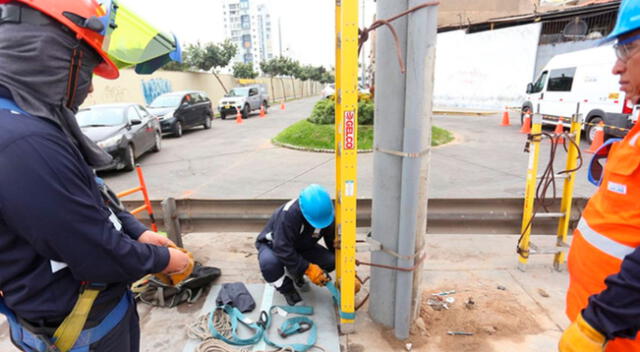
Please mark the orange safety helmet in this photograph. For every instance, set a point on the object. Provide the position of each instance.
(119, 36)
(93, 31)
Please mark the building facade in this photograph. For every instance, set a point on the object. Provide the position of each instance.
(248, 25)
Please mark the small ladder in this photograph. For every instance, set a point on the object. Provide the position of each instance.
(525, 247)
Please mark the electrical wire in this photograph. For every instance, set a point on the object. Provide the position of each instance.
(548, 179)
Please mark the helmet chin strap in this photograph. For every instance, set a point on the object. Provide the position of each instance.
(74, 73)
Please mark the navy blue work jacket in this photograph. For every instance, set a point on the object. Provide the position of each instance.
(55, 229)
(289, 233)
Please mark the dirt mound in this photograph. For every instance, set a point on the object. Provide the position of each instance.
(481, 310)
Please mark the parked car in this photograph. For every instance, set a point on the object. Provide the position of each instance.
(179, 111)
(581, 77)
(126, 131)
(328, 91)
(246, 99)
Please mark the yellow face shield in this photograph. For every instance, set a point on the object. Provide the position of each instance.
(132, 41)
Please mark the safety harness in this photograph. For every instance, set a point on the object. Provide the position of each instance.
(291, 326)
(260, 329)
(70, 335)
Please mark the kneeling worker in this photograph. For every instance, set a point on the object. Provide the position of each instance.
(288, 246)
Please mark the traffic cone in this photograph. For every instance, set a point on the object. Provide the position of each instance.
(505, 118)
(526, 124)
(262, 114)
(598, 140)
(282, 105)
(558, 133)
(239, 117)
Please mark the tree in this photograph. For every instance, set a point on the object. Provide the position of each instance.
(176, 66)
(291, 68)
(268, 68)
(304, 73)
(211, 56)
(327, 77)
(241, 70)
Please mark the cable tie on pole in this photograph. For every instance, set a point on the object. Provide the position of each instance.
(403, 154)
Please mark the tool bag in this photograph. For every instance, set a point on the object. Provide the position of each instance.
(153, 291)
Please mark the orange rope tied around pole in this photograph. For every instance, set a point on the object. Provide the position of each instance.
(364, 33)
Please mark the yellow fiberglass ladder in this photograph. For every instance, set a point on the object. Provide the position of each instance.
(531, 213)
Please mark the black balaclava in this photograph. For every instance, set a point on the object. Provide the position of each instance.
(35, 67)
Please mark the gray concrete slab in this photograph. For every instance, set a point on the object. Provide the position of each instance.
(265, 297)
(239, 161)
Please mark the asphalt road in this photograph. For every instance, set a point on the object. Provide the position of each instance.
(238, 161)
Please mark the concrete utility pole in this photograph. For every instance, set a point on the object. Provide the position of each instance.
(280, 35)
(403, 139)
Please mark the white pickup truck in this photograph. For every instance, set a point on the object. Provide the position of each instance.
(244, 99)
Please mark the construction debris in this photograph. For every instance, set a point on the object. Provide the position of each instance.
(450, 300)
(444, 293)
(470, 304)
(437, 304)
(543, 293)
(408, 347)
(459, 333)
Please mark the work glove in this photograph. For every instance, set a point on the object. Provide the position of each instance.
(581, 337)
(179, 276)
(316, 275)
(357, 286)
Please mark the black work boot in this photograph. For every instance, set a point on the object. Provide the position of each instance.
(302, 284)
(292, 297)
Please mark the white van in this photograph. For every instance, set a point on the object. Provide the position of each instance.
(581, 77)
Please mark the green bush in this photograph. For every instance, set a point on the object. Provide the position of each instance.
(324, 112)
(365, 112)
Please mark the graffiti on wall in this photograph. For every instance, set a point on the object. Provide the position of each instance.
(155, 87)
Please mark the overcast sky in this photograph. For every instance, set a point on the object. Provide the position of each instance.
(307, 25)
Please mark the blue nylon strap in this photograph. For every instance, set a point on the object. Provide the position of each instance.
(6, 104)
(236, 316)
(17, 332)
(336, 299)
(292, 326)
(33, 343)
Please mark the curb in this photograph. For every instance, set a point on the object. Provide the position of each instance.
(315, 150)
(465, 113)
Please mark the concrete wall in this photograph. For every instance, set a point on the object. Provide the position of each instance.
(453, 12)
(128, 88)
(546, 52)
(485, 70)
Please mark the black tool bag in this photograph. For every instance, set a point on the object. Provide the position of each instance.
(152, 291)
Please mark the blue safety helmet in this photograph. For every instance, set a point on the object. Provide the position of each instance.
(628, 19)
(316, 206)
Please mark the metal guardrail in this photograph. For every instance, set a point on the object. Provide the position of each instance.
(444, 216)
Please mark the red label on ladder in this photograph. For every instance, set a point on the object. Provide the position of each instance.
(349, 130)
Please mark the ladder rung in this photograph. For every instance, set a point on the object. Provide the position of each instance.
(549, 215)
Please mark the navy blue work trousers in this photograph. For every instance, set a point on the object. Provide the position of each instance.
(273, 270)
